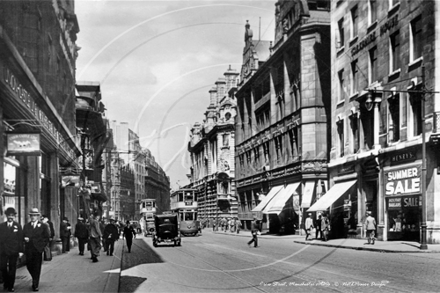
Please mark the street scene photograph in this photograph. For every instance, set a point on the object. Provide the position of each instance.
(219, 146)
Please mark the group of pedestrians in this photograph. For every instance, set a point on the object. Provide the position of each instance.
(321, 226)
(35, 235)
(232, 225)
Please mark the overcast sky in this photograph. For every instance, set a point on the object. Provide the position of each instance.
(157, 60)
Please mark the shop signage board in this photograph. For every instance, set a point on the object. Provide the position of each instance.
(23, 144)
(404, 181)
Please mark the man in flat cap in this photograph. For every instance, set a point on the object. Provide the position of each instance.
(36, 237)
(11, 248)
(65, 235)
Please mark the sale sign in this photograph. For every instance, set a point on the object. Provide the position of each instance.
(403, 181)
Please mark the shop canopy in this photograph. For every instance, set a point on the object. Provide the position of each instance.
(307, 195)
(269, 196)
(331, 196)
(276, 205)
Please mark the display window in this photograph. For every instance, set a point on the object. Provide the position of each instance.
(10, 198)
(404, 217)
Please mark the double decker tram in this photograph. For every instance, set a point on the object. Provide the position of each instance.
(184, 204)
(147, 211)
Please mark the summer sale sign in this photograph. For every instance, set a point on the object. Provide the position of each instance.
(403, 181)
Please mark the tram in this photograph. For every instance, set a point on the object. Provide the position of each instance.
(148, 211)
(184, 204)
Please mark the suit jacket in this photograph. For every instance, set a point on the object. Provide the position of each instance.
(64, 231)
(81, 230)
(111, 231)
(11, 239)
(94, 229)
(38, 236)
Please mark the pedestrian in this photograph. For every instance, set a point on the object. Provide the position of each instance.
(110, 236)
(237, 225)
(36, 237)
(255, 229)
(47, 253)
(325, 227)
(82, 234)
(102, 225)
(128, 234)
(370, 226)
(95, 235)
(11, 248)
(65, 235)
(308, 226)
(318, 227)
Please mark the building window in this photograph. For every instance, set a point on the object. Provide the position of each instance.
(393, 3)
(341, 40)
(293, 133)
(416, 113)
(395, 52)
(394, 118)
(354, 22)
(341, 96)
(354, 120)
(416, 39)
(367, 121)
(279, 147)
(373, 65)
(340, 128)
(257, 156)
(266, 152)
(225, 140)
(354, 77)
(372, 11)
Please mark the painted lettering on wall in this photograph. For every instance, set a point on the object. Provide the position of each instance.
(362, 44)
(403, 181)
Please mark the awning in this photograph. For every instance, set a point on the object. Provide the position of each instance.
(307, 194)
(269, 196)
(331, 196)
(276, 205)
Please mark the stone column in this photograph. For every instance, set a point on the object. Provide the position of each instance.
(54, 193)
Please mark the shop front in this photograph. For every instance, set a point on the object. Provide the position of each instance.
(403, 202)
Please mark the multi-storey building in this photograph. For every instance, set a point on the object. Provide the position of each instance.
(384, 57)
(95, 137)
(283, 108)
(157, 183)
(37, 94)
(212, 152)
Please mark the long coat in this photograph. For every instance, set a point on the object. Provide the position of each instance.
(11, 239)
(38, 236)
(81, 231)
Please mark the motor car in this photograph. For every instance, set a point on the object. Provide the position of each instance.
(167, 230)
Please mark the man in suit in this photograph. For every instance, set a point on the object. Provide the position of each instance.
(11, 248)
(36, 237)
(95, 235)
(65, 235)
(82, 234)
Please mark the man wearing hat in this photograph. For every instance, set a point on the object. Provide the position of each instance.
(65, 235)
(308, 226)
(255, 229)
(370, 225)
(11, 240)
(111, 234)
(95, 235)
(82, 234)
(36, 237)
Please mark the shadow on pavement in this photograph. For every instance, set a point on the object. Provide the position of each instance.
(141, 253)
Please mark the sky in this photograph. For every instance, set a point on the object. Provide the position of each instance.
(157, 60)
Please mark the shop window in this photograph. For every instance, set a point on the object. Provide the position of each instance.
(416, 39)
(404, 213)
(395, 52)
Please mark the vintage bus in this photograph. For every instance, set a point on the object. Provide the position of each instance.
(184, 204)
(147, 211)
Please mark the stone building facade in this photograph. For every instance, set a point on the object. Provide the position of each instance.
(384, 57)
(283, 101)
(37, 94)
(211, 149)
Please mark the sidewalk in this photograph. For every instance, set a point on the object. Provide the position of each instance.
(347, 243)
(71, 272)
